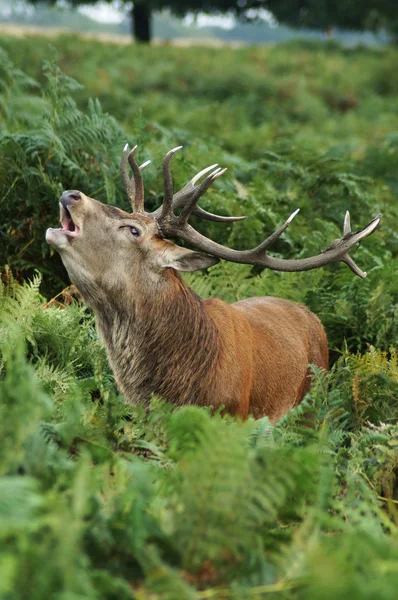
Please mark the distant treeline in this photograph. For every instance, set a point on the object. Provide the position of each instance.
(168, 27)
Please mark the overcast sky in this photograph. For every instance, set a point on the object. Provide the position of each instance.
(107, 13)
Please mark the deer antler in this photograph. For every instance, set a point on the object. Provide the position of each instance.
(135, 188)
(338, 251)
(189, 195)
(187, 198)
(134, 185)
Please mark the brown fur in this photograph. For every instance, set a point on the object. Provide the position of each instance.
(250, 357)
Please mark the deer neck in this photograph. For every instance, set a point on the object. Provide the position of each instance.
(160, 342)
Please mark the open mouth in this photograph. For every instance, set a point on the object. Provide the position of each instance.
(69, 227)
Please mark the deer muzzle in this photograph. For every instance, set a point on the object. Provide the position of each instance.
(61, 237)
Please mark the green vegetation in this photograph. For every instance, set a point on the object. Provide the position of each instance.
(100, 501)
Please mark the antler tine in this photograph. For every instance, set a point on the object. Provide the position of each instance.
(196, 193)
(134, 185)
(185, 194)
(347, 223)
(138, 205)
(128, 183)
(361, 234)
(267, 243)
(190, 186)
(208, 216)
(167, 205)
(145, 164)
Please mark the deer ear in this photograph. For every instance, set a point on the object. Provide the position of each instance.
(182, 259)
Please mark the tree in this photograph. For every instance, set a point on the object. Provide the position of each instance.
(140, 14)
(316, 14)
(359, 15)
(141, 10)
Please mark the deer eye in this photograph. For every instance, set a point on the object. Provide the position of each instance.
(134, 231)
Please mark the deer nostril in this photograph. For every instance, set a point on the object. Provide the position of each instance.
(70, 197)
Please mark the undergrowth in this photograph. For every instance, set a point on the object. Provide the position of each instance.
(100, 501)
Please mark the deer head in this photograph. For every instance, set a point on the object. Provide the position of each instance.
(107, 250)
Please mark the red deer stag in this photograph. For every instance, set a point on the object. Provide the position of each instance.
(250, 357)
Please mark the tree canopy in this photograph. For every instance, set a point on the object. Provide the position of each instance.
(371, 15)
(357, 15)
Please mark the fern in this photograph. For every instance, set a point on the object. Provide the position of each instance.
(99, 499)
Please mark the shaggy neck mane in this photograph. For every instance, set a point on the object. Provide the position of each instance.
(161, 342)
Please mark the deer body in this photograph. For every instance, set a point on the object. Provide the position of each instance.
(251, 357)
(206, 352)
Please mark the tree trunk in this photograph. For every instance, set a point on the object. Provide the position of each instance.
(141, 21)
